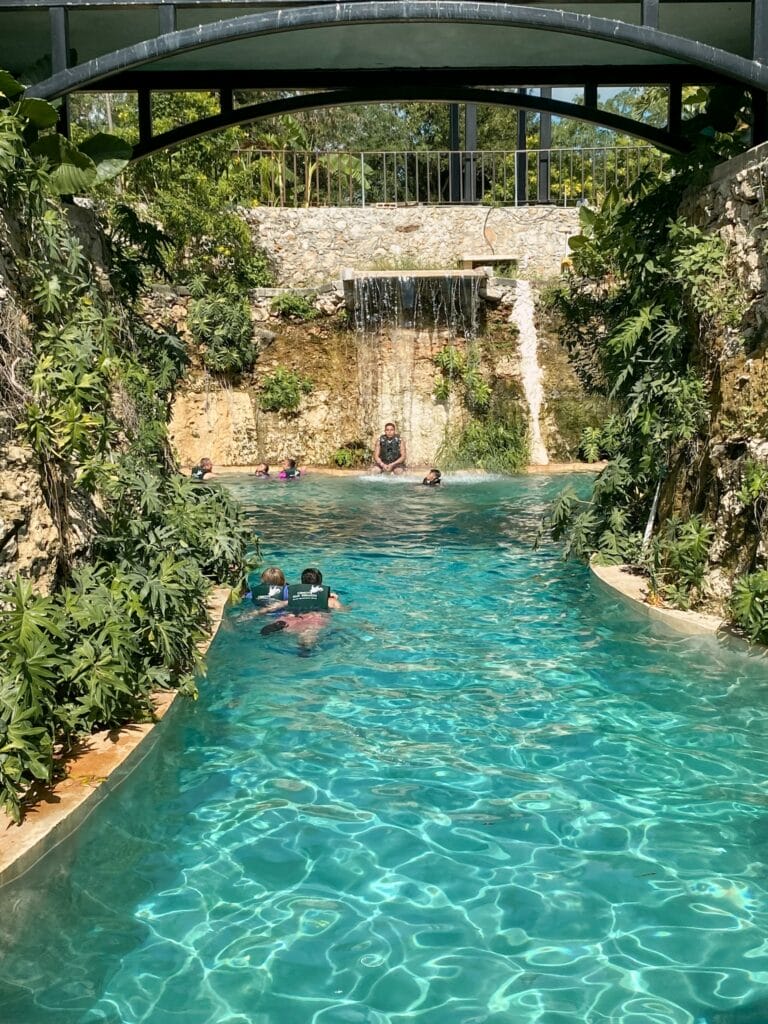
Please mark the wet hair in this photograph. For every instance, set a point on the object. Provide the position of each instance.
(393, 425)
(291, 463)
(273, 575)
(205, 461)
(437, 473)
(312, 576)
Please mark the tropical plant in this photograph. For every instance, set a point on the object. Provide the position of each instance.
(351, 455)
(290, 306)
(283, 390)
(221, 324)
(677, 559)
(645, 288)
(749, 605)
(494, 445)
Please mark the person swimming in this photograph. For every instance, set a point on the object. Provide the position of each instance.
(262, 470)
(307, 608)
(433, 478)
(289, 470)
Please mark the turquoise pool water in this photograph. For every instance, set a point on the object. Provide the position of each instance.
(487, 795)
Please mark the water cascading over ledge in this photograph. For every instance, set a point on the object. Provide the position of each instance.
(448, 300)
(402, 319)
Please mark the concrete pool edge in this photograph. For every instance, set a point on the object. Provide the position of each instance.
(104, 761)
(633, 589)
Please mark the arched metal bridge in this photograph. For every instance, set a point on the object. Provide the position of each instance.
(370, 51)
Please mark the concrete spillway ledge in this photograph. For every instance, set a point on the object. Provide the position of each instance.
(619, 582)
(101, 763)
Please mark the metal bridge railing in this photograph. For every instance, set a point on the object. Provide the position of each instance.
(563, 177)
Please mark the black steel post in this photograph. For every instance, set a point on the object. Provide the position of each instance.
(545, 145)
(649, 13)
(521, 157)
(759, 116)
(166, 16)
(760, 30)
(470, 145)
(674, 107)
(59, 25)
(454, 159)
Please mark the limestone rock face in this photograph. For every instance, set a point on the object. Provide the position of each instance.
(29, 541)
(731, 206)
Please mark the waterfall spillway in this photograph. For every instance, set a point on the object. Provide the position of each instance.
(433, 299)
(402, 319)
(532, 377)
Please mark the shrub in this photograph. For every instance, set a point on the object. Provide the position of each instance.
(221, 325)
(351, 455)
(677, 559)
(497, 446)
(294, 307)
(282, 391)
(749, 605)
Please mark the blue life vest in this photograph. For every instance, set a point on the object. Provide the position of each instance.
(389, 448)
(307, 597)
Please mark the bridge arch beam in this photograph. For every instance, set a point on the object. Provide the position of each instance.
(664, 140)
(749, 73)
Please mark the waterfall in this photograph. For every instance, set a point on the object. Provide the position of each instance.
(402, 319)
(533, 387)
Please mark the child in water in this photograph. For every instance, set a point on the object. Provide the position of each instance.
(261, 470)
(432, 479)
(289, 470)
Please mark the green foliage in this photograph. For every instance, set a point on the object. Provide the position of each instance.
(283, 390)
(749, 605)
(644, 290)
(294, 307)
(677, 560)
(351, 455)
(462, 369)
(96, 390)
(221, 325)
(494, 445)
(69, 168)
(753, 493)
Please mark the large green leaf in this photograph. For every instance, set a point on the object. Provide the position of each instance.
(40, 113)
(9, 86)
(71, 170)
(110, 153)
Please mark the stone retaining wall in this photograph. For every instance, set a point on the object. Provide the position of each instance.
(311, 247)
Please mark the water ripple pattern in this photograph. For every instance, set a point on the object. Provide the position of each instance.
(487, 794)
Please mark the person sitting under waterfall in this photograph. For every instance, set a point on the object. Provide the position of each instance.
(433, 478)
(389, 455)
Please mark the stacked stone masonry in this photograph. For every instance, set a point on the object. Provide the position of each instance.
(313, 246)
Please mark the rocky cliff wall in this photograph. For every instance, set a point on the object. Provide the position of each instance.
(733, 204)
(310, 247)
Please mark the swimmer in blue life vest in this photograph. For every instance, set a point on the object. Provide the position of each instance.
(389, 455)
(432, 479)
(271, 596)
(289, 470)
(306, 608)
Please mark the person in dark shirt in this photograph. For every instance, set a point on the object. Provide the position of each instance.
(389, 455)
(433, 478)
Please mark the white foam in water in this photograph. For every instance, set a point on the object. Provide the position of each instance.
(461, 476)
